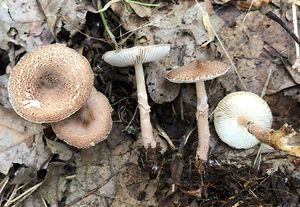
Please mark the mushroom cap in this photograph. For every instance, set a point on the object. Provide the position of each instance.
(135, 55)
(50, 83)
(88, 126)
(197, 70)
(241, 105)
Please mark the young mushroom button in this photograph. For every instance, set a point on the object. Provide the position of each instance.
(88, 126)
(50, 83)
(137, 56)
(198, 72)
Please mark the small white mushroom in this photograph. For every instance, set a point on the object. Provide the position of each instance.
(136, 56)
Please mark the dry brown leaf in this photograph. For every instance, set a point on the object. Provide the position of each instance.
(246, 42)
(141, 11)
(59, 148)
(4, 101)
(160, 89)
(27, 29)
(20, 142)
(207, 26)
(36, 25)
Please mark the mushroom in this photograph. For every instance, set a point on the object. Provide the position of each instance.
(137, 56)
(88, 126)
(198, 72)
(242, 119)
(50, 83)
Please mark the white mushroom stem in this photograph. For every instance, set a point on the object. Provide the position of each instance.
(261, 134)
(202, 122)
(281, 139)
(146, 127)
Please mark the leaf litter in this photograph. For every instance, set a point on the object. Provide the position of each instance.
(112, 173)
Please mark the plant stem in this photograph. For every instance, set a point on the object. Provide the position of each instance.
(146, 127)
(202, 122)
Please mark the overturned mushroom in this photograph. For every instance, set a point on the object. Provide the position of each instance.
(137, 56)
(50, 83)
(88, 126)
(242, 119)
(198, 72)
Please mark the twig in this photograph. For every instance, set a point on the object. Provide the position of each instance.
(295, 23)
(270, 72)
(72, 203)
(248, 10)
(275, 18)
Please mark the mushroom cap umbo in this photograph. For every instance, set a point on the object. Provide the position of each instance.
(50, 83)
(136, 55)
(197, 70)
(241, 106)
(88, 126)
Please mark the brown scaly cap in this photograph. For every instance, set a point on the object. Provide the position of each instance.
(198, 70)
(50, 83)
(88, 126)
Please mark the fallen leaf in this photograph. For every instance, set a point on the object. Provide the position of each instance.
(20, 142)
(60, 149)
(160, 89)
(4, 100)
(141, 11)
(245, 44)
(55, 184)
(207, 26)
(37, 25)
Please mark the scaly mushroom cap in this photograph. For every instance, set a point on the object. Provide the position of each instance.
(88, 126)
(237, 107)
(198, 70)
(50, 83)
(135, 55)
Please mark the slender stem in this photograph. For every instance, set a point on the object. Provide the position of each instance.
(280, 139)
(295, 23)
(202, 122)
(146, 127)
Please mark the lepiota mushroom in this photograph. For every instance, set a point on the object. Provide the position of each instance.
(198, 72)
(50, 83)
(242, 119)
(137, 56)
(88, 126)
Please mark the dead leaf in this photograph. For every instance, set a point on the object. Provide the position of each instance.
(20, 142)
(36, 26)
(245, 43)
(55, 184)
(29, 28)
(207, 26)
(160, 89)
(4, 100)
(141, 11)
(61, 149)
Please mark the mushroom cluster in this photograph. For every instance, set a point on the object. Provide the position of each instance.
(54, 84)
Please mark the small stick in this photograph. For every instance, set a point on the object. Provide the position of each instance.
(275, 18)
(295, 23)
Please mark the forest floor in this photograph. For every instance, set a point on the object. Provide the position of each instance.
(37, 169)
